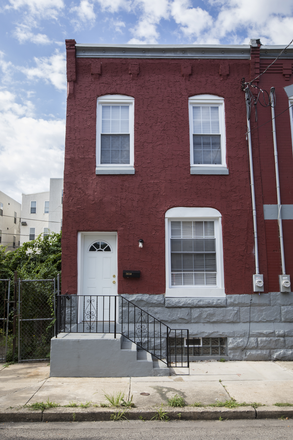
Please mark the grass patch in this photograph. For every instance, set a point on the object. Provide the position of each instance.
(115, 399)
(283, 404)
(198, 404)
(176, 401)
(128, 403)
(85, 405)
(71, 405)
(161, 415)
(120, 415)
(227, 404)
(41, 406)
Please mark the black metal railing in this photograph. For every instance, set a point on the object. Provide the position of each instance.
(116, 314)
(86, 314)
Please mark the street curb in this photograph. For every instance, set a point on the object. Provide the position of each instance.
(274, 412)
(104, 414)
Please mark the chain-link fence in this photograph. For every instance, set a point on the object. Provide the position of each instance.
(4, 313)
(35, 318)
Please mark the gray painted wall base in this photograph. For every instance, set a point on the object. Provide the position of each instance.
(100, 355)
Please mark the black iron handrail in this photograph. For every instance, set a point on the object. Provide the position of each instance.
(116, 314)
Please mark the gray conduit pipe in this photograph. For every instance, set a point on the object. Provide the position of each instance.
(257, 279)
(272, 96)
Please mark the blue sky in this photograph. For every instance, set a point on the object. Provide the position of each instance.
(32, 62)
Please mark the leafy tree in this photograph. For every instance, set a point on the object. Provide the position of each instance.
(36, 259)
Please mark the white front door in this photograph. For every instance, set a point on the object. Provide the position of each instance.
(99, 277)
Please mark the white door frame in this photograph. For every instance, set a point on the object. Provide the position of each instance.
(80, 243)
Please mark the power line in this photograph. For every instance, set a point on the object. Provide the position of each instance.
(249, 82)
(270, 120)
(33, 219)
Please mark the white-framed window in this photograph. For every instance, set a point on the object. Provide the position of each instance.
(207, 135)
(33, 207)
(32, 235)
(115, 135)
(0, 236)
(46, 232)
(15, 217)
(1, 209)
(14, 242)
(194, 253)
(46, 208)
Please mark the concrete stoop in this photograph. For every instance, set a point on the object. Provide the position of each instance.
(101, 355)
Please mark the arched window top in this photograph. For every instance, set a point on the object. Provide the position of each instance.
(100, 246)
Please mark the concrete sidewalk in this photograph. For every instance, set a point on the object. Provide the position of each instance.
(206, 383)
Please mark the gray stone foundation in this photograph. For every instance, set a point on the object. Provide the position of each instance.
(257, 327)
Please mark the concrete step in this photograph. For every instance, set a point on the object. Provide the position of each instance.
(160, 368)
(100, 355)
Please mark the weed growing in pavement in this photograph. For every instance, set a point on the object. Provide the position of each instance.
(198, 404)
(42, 405)
(73, 417)
(104, 405)
(253, 404)
(120, 415)
(179, 415)
(176, 401)
(128, 403)
(71, 405)
(141, 418)
(283, 404)
(222, 360)
(85, 405)
(284, 418)
(7, 364)
(221, 419)
(161, 415)
(115, 400)
(227, 404)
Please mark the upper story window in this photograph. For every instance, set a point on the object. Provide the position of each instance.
(1, 209)
(33, 207)
(207, 135)
(46, 232)
(15, 217)
(0, 236)
(115, 135)
(46, 209)
(194, 253)
(32, 235)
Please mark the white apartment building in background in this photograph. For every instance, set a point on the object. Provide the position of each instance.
(9, 222)
(41, 213)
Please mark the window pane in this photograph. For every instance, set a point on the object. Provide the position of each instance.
(175, 229)
(115, 149)
(193, 253)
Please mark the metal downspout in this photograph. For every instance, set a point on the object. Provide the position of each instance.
(272, 96)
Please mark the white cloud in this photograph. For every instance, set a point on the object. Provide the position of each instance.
(114, 5)
(42, 8)
(31, 150)
(261, 18)
(152, 12)
(85, 12)
(6, 67)
(192, 21)
(50, 69)
(23, 33)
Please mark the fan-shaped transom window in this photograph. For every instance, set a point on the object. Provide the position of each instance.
(100, 246)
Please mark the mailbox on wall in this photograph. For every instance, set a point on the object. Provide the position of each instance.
(131, 273)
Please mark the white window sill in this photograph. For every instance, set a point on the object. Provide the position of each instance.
(195, 292)
(208, 169)
(127, 169)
